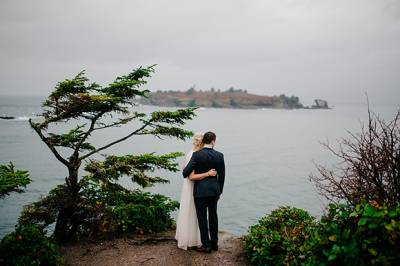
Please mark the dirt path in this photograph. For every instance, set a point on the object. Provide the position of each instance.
(158, 249)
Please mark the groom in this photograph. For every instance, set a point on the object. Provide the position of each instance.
(206, 192)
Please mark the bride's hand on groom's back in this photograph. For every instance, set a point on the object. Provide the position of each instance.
(212, 172)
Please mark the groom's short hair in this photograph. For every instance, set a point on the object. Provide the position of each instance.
(209, 137)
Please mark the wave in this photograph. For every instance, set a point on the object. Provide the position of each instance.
(22, 118)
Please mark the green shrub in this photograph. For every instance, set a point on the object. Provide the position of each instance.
(106, 210)
(278, 238)
(28, 245)
(124, 211)
(144, 213)
(364, 235)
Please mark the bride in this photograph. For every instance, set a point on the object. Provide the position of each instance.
(187, 228)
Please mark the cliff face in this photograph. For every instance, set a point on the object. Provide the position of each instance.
(227, 99)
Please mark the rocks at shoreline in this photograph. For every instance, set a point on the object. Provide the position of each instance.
(320, 104)
(7, 117)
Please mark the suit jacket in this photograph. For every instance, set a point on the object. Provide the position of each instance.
(201, 162)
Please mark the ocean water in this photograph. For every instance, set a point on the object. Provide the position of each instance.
(269, 155)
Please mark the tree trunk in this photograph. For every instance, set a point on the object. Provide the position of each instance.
(65, 229)
(62, 232)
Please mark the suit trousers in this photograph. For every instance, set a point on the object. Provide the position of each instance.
(202, 205)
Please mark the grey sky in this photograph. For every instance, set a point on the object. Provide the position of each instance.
(332, 49)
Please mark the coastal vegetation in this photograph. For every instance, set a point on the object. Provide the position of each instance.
(92, 203)
(369, 165)
(104, 211)
(231, 98)
(84, 107)
(28, 244)
(365, 234)
(361, 225)
(278, 238)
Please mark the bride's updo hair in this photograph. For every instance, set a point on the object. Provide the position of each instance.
(198, 140)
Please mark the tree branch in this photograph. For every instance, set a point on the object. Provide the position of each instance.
(51, 147)
(90, 130)
(117, 141)
(120, 122)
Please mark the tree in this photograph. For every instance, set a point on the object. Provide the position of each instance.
(192, 103)
(177, 102)
(369, 167)
(12, 180)
(234, 103)
(191, 90)
(214, 104)
(85, 106)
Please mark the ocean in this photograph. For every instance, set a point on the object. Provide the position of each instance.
(269, 155)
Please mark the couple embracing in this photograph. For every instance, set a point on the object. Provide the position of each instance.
(204, 176)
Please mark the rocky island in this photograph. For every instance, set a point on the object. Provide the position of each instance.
(231, 98)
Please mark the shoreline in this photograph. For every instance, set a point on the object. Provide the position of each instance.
(238, 108)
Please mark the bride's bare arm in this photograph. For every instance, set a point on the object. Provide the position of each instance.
(194, 176)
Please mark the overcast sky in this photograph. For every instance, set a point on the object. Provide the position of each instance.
(332, 49)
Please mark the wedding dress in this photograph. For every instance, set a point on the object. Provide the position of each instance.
(187, 228)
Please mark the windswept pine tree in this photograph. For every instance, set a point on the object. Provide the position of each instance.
(83, 106)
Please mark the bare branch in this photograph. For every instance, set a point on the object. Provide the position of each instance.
(369, 164)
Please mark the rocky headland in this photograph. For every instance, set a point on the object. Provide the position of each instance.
(220, 99)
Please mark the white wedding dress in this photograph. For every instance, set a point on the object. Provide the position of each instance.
(187, 227)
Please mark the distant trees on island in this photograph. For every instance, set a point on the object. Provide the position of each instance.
(192, 90)
(216, 98)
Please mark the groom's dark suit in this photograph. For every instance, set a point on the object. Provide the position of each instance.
(206, 192)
